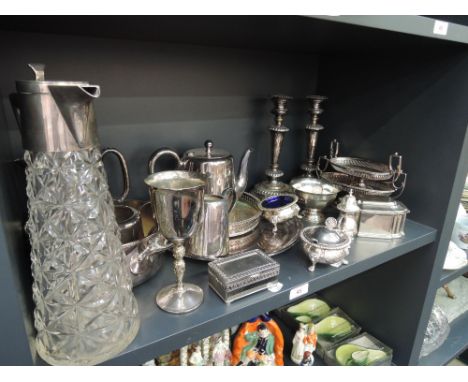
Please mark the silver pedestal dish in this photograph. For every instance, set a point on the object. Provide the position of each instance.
(314, 195)
(325, 244)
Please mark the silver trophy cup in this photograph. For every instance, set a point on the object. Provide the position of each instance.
(177, 199)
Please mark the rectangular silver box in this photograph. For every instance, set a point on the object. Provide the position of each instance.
(382, 220)
(240, 275)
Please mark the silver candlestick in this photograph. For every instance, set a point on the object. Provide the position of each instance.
(312, 130)
(273, 186)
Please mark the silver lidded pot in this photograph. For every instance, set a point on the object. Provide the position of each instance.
(325, 244)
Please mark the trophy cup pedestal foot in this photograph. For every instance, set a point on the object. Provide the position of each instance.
(173, 301)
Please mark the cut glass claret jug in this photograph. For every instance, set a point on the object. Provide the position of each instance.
(85, 311)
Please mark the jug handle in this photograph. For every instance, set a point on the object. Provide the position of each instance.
(124, 168)
(14, 101)
(158, 154)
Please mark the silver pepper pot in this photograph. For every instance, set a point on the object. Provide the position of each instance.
(348, 220)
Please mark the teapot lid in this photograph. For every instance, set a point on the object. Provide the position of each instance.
(208, 152)
(326, 236)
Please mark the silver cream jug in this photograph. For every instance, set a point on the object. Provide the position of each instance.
(85, 310)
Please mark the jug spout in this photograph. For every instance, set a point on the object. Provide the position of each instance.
(241, 180)
(56, 116)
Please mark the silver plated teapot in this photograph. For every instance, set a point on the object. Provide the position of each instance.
(216, 164)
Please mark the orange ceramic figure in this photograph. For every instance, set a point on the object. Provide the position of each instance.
(261, 332)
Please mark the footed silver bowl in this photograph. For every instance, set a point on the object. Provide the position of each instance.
(314, 195)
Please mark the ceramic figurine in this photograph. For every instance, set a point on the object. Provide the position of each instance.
(221, 355)
(297, 352)
(196, 359)
(206, 347)
(184, 356)
(259, 342)
(310, 344)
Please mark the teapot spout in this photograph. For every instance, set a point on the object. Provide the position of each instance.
(241, 181)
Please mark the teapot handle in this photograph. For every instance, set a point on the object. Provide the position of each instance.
(124, 168)
(158, 154)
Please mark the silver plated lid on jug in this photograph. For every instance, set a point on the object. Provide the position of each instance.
(55, 116)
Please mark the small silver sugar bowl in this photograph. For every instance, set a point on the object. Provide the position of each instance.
(279, 208)
(325, 244)
(348, 220)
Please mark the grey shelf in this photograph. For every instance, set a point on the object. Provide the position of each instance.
(448, 276)
(453, 346)
(161, 332)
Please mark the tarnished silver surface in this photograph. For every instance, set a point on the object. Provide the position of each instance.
(274, 243)
(240, 275)
(314, 195)
(263, 238)
(382, 220)
(348, 219)
(361, 168)
(216, 164)
(325, 244)
(312, 130)
(210, 240)
(145, 257)
(129, 221)
(273, 186)
(245, 215)
(244, 242)
(177, 198)
(144, 253)
(284, 208)
(124, 169)
(60, 114)
(370, 188)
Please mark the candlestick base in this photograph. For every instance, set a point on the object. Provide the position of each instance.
(271, 188)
